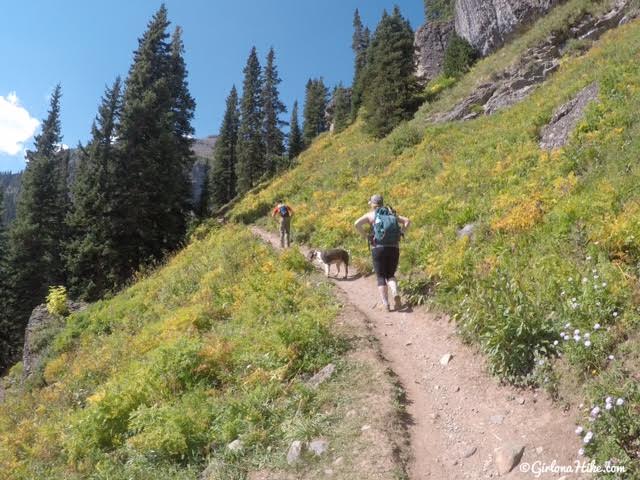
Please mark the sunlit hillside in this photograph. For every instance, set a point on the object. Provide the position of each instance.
(547, 283)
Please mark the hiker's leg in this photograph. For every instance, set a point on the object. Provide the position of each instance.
(393, 286)
(282, 233)
(384, 296)
(287, 229)
(377, 255)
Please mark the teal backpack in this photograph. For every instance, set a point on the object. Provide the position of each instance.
(386, 229)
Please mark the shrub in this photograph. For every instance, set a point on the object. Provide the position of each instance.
(458, 57)
(57, 301)
(403, 137)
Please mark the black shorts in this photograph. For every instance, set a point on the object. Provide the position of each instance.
(385, 263)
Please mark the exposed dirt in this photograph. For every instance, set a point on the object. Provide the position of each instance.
(455, 408)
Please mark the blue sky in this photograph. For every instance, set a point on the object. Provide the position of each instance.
(85, 44)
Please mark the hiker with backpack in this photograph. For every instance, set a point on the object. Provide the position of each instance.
(384, 237)
(284, 213)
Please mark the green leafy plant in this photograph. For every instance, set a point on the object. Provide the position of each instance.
(57, 302)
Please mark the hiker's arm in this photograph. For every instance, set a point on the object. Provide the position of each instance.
(405, 222)
(360, 223)
(290, 211)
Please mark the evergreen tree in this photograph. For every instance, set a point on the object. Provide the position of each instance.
(37, 235)
(341, 108)
(296, 143)
(391, 93)
(360, 44)
(315, 106)
(273, 108)
(222, 179)
(154, 158)
(458, 57)
(251, 152)
(8, 336)
(93, 252)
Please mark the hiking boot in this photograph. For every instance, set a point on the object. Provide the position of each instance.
(397, 302)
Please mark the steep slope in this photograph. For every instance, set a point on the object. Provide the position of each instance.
(205, 362)
(546, 284)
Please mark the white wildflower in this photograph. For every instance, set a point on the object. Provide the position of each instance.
(595, 411)
(620, 402)
(579, 430)
(596, 326)
(587, 343)
(581, 452)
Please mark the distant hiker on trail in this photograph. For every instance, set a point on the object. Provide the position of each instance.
(384, 237)
(285, 213)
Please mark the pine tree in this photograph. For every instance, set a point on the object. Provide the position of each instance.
(155, 158)
(360, 44)
(37, 235)
(315, 106)
(341, 108)
(296, 143)
(92, 253)
(251, 152)
(8, 336)
(273, 108)
(391, 88)
(222, 178)
(458, 57)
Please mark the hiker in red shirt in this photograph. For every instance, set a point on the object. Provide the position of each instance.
(285, 213)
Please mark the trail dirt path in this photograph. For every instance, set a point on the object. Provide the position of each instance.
(461, 419)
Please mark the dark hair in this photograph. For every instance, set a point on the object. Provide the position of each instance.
(280, 201)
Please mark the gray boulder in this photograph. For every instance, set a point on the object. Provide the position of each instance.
(566, 117)
(431, 41)
(41, 329)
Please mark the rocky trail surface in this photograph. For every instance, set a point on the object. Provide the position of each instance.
(462, 423)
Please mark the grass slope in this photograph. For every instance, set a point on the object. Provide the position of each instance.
(557, 243)
(154, 383)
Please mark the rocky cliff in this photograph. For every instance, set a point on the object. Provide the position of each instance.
(431, 41)
(485, 24)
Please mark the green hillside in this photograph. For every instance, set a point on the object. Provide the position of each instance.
(155, 383)
(557, 241)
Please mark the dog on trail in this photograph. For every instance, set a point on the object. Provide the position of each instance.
(334, 256)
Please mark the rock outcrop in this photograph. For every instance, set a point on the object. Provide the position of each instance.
(566, 117)
(38, 335)
(431, 42)
(536, 64)
(488, 24)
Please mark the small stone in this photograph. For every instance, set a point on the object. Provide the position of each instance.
(469, 452)
(322, 376)
(456, 389)
(507, 457)
(338, 461)
(328, 472)
(365, 428)
(236, 445)
(497, 419)
(350, 413)
(446, 358)
(408, 344)
(295, 450)
(319, 446)
(539, 450)
(520, 400)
